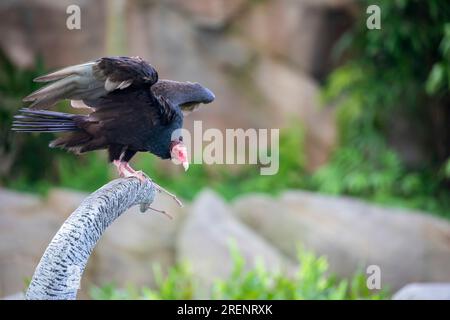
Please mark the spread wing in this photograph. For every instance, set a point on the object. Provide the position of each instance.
(128, 117)
(120, 106)
(186, 95)
(92, 81)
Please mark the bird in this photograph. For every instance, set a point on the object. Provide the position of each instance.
(129, 110)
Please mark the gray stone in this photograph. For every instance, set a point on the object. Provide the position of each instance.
(408, 246)
(331, 3)
(15, 296)
(424, 291)
(289, 91)
(15, 202)
(204, 242)
(26, 228)
(64, 201)
(302, 32)
(211, 13)
(29, 29)
(295, 97)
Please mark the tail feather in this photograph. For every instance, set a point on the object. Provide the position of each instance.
(34, 123)
(27, 119)
(77, 140)
(47, 114)
(44, 121)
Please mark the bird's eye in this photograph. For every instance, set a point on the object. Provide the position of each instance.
(180, 138)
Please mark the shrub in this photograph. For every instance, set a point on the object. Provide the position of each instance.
(311, 281)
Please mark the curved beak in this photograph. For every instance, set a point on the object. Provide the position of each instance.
(185, 165)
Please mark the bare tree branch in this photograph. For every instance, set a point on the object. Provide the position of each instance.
(59, 272)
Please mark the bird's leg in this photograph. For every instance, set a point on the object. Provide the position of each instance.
(120, 166)
(125, 170)
(133, 173)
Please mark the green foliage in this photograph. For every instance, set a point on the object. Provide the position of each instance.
(111, 292)
(402, 69)
(446, 168)
(178, 284)
(383, 179)
(311, 281)
(19, 152)
(88, 173)
(439, 77)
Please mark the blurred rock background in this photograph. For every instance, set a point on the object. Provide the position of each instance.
(296, 65)
(408, 246)
(255, 55)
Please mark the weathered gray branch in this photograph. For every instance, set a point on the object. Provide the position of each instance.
(59, 272)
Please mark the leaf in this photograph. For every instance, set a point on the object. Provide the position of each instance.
(447, 168)
(435, 79)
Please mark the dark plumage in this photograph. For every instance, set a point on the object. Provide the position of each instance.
(129, 109)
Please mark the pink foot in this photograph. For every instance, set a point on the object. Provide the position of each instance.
(120, 166)
(126, 171)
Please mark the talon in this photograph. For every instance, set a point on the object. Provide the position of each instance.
(126, 171)
(137, 174)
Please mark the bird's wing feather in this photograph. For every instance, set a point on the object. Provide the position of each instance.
(129, 116)
(92, 80)
(121, 72)
(186, 95)
(165, 108)
(139, 103)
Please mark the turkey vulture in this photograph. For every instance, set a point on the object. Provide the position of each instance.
(129, 110)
